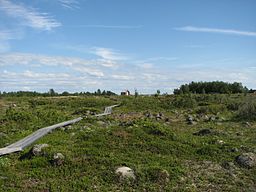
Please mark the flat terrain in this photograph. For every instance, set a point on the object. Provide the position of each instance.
(173, 143)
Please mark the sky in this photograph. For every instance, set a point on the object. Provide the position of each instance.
(147, 45)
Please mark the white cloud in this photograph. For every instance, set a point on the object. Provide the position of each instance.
(6, 35)
(146, 65)
(89, 67)
(109, 26)
(29, 16)
(216, 30)
(123, 77)
(70, 4)
(107, 54)
(41, 72)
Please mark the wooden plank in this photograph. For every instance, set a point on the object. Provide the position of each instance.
(28, 140)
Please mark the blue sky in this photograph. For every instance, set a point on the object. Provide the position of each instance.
(83, 45)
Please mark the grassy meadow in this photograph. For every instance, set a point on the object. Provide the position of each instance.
(157, 136)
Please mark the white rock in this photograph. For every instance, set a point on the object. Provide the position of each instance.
(37, 150)
(125, 172)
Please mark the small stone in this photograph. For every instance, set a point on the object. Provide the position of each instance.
(58, 159)
(73, 134)
(69, 127)
(206, 118)
(247, 160)
(220, 142)
(190, 118)
(192, 123)
(37, 150)
(148, 115)
(247, 124)
(212, 118)
(125, 173)
(234, 150)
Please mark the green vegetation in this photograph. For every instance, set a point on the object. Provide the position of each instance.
(153, 135)
(211, 87)
(52, 93)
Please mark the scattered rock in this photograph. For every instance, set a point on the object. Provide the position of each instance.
(234, 150)
(125, 173)
(38, 150)
(190, 118)
(88, 112)
(203, 132)
(220, 142)
(247, 160)
(247, 124)
(205, 118)
(192, 123)
(159, 116)
(212, 118)
(148, 115)
(92, 113)
(58, 159)
(68, 127)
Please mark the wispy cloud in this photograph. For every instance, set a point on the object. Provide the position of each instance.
(109, 26)
(123, 77)
(86, 67)
(70, 4)
(216, 30)
(108, 54)
(6, 35)
(29, 16)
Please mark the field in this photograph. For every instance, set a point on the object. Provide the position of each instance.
(173, 143)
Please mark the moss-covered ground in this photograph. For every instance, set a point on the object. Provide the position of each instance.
(150, 134)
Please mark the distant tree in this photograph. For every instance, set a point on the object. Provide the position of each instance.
(98, 92)
(65, 93)
(136, 93)
(52, 92)
(211, 87)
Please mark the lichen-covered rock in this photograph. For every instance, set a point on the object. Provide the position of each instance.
(247, 160)
(58, 159)
(125, 173)
(38, 149)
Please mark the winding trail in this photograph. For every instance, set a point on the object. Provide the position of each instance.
(23, 143)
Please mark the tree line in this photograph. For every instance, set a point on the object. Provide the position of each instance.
(51, 93)
(211, 87)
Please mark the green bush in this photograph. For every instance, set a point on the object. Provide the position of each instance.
(185, 102)
(247, 111)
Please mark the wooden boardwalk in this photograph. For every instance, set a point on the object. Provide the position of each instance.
(23, 143)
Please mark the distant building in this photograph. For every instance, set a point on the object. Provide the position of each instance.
(126, 93)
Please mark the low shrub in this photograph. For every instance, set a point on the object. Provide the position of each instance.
(247, 111)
